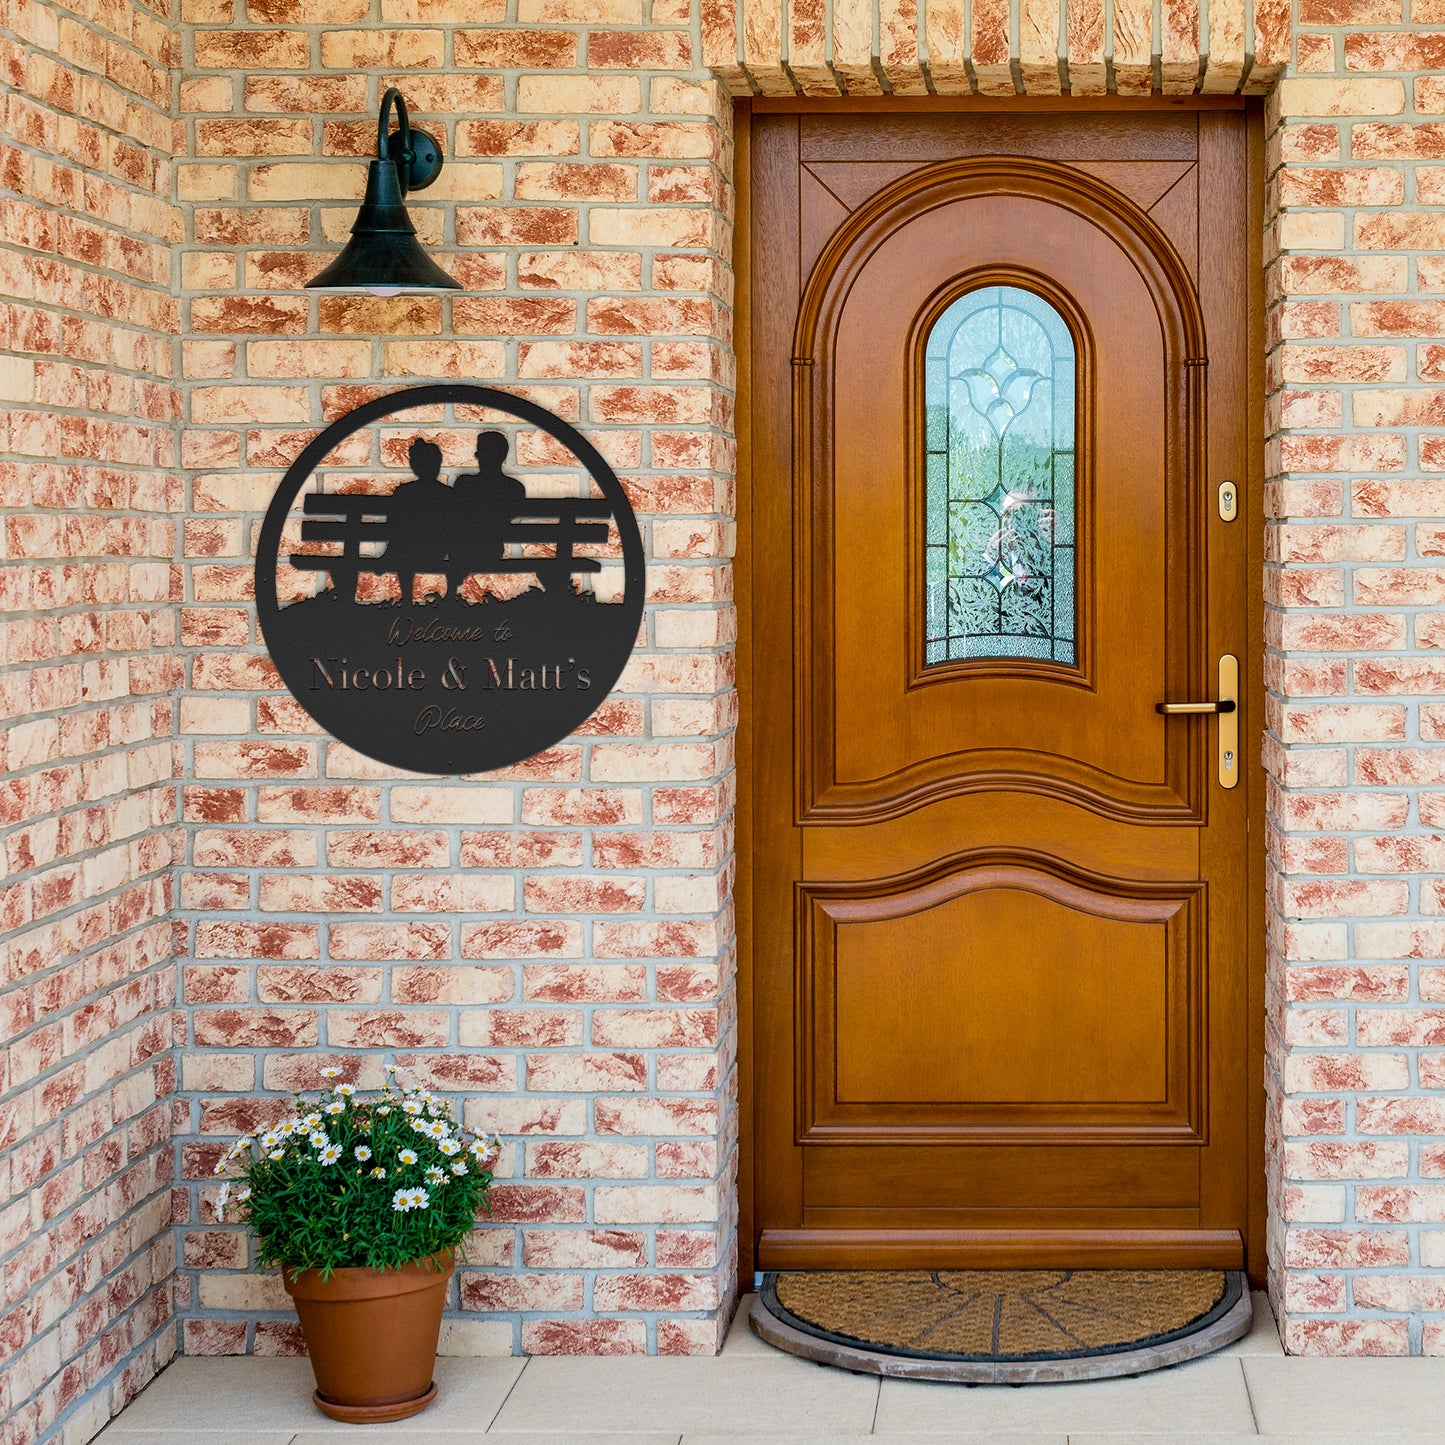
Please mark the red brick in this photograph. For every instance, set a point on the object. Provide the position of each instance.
(584, 983)
(584, 1337)
(516, 137)
(584, 895)
(585, 1073)
(664, 1292)
(257, 940)
(514, 226)
(252, 50)
(521, 1028)
(536, 1204)
(655, 1028)
(1393, 50)
(468, 1072)
(516, 49)
(1345, 1248)
(254, 1028)
(390, 941)
(583, 1249)
(1340, 186)
(326, 984)
(568, 1160)
(521, 1292)
(386, 1029)
(521, 940)
(1398, 676)
(634, 50)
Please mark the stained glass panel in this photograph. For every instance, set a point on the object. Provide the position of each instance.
(999, 506)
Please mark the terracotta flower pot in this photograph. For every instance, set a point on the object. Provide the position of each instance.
(372, 1336)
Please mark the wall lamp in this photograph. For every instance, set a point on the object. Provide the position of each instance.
(383, 255)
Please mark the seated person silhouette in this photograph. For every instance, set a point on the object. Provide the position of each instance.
(420, 520)
(487, 502)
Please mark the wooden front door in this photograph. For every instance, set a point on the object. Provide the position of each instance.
(999, 371)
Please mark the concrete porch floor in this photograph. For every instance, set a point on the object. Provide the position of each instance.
(1247, 1391)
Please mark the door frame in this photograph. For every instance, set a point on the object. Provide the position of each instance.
(1252, 516)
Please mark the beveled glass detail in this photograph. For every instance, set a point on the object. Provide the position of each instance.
(999, 397)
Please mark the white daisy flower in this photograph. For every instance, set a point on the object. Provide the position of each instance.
(385, 1109)
(486, 1148)
(435, 1176)
(459, 1167)
(319, 1139)
(277, 1154)
(270, 1140)
(407, 1199)
(407, 1156)
(289, 1127)
(392, 1068)
(311, 1120)
(419, 1125)
(335, 1107)
(378, 1172)
(242, 1195)
(450, 1146)
(220, 1166)
(331, 1073)
(331, 1154)
(345, 1090)
(412, 1106)
(437, 1129)
(362, 1152)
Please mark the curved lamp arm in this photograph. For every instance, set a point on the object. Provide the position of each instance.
(417, 157)
(393, 97)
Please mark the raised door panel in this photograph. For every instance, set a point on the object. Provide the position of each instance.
(999, 998)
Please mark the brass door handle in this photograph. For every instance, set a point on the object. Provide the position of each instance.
(1173, 709)
(1226, 707)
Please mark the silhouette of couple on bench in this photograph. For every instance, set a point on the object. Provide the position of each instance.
(458, 529)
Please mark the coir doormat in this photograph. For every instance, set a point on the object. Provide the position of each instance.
(1002, 1326)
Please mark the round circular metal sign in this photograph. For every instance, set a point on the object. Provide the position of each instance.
(430, 608)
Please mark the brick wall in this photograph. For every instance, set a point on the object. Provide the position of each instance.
(89, 498)
(552, 944)
(1354, 580)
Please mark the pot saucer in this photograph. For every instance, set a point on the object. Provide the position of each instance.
(375, 1414)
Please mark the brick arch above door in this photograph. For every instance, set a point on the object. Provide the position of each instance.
(995, 47)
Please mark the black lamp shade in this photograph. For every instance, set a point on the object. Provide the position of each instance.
(383, 255)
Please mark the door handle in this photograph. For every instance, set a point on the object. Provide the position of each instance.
(1227, 709)
(1175, 709)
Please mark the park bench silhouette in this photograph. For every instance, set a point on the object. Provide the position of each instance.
(356, 518)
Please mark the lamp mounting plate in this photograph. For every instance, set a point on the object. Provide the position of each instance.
(426, 157)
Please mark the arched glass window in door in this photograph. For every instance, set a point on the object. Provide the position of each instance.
(1000, 393)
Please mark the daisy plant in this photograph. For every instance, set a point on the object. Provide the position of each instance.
(349, 1180)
